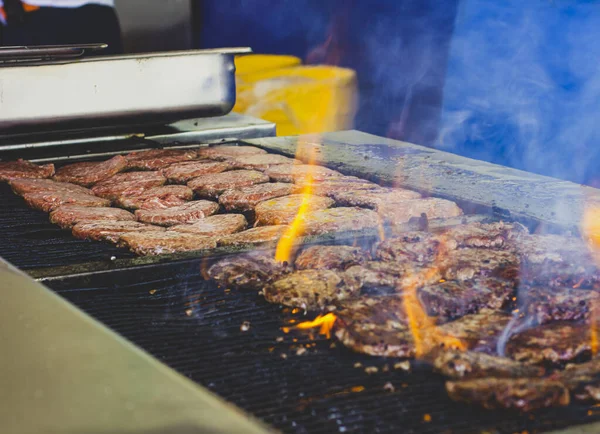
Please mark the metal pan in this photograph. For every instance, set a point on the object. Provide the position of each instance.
(117, 90)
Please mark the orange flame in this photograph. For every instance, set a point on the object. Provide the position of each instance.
(325, 322)
(591, 232)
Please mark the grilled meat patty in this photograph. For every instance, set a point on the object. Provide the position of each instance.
(222, 224)
(333, 186)
(180, 173)
(226, 152)
(330, 258)
(109, 230)
(453, 299)
(11, 170)
(433, 208)
(376, 326)
(152, 243)
(311, 289)
(50, 200)
(189, 212)
(248, 271)
(497, 235)
(300, 173)
(283, 210)
(128, 184)
(469, 365)
(261, 161)
(392, 276)
(246, 198)
(469, 263)
(375, 199)
(340, 220)
(260, 235)
(68, 216)
(419, 247)
(582, 380)
(89, 173)
(551, 344)
(212, 185)
(163, 197)
(523, 394)
(155, 159)
(547, 304)
(22, 186)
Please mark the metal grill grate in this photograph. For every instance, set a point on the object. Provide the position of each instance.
(194, 327)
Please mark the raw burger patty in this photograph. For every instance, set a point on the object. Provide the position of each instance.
(261, 162)
(163, 197)
(109, 230)
(246, 198)
(283, 210)
(180, 173)
(262, 235)
(469, 365)
(163, 242)
(332, 186)
(129, 183)
(311, 289)
(50, 200)
(189, 212)
(553, 343)
(340, 220)
(433, 208)
(10, 170)
(226, 152)
(299, 173)
(249, 271)
(24, 186)
(68, 216)
(155, 159)
(212, 185)
(523, 394)
(374, 199)
(222, 224)
(330, 257)
(376, 326)
(89, 173)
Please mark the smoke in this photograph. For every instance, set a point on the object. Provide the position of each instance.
(523, 87)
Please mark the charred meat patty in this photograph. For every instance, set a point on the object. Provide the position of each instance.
(547, 304)
(330, 258)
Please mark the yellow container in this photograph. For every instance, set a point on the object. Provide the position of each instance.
(300, 99)
(253, 63)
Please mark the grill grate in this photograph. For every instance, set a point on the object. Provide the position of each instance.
(194, 327)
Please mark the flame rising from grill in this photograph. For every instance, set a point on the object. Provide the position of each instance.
(591, 232)
(325, 322)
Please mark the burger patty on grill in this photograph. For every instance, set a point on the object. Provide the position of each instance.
(554, 343)
(163, 197)
(226, 152)
(333, 186)
(246, 198)
(261, 161)
(10, 170)
(392, 276)
(283, 210)
(582, 380)
(340, 220)
(330, 257)
(68, 216)
(546, 304)
(452, 299)
(128, 183)
(469, 263)
(484, 235)
(50, 200)
(433, 208)
(212, 185)
(180, 173)
(154, 159)
(248, 271)
(300, 173)
(311, 289)
(222, 224)
(89, 173)
(419, 247)
(24, 186)
(375, 198)
(189, 212)
(152, 243)
(523, 394)
(469, 365)
(260, 235)
(109, 230)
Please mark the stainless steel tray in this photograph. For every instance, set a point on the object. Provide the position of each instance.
(117, 90)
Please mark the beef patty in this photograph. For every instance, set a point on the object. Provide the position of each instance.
(212, 185)
(10, 170)
(226, 152)
(190, 212)
(582, 380)
(283, 210)
(128, 184)
(152, 243)
(333, 186)
(222, 224)
(68, 216)
(180, 173)
(433, 208)
(89, 173)
(546, 304)
(299, 173)
(50, 200)
(24, 186)
(340, 220)
(469, 263)
(163, 197)
(260, 235)
(155, 159)
(387, 277)
(246, 198)
(261, 161)
(497, 235)
(418, 247)
(109, 230)
(375, 199)
(330, 257)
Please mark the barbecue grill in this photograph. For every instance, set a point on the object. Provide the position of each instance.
(230, 342)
